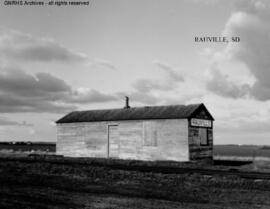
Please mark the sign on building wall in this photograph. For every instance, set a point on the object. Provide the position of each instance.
(201, 122)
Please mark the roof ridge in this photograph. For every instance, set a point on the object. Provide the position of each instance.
(147, 106)
(133, 113)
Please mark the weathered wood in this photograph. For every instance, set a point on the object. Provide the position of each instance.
(200, 140)
(169, 139)
(113, 141)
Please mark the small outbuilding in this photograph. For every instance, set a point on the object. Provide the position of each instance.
(175, 133)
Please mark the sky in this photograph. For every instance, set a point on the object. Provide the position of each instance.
(57, 59)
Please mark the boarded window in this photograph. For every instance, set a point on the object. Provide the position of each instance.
(149, 133)
(203, 136)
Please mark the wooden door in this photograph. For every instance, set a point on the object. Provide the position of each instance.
(113, 141)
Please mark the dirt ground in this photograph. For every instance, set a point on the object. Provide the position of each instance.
(47, 185)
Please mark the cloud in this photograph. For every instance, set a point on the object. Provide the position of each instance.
(246, 126)
(85, 95)
(250, 21)
(6, 122)
(221, 85)
(147, 85)
(208, 2)
(15, 45)
(14, 103)
(140, 96)
(103, 64)
(167, 83)
(22, 92)
(170, 72)
(18, 82)
(149, 91)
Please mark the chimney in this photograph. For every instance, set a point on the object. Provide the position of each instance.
(127, 103)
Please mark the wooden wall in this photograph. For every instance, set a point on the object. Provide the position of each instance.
(136, 139)
(82, 139)
(196, 150)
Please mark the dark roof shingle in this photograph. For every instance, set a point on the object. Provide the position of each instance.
(135, 113)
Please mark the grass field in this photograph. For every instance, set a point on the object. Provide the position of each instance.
(36, 184)
(249, 151)
(242, 150)
(258, 155)
(44, 184)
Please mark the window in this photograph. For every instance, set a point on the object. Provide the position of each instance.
(149, 134)
(203, 136)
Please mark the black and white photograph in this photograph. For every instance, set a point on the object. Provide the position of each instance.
(135, 104)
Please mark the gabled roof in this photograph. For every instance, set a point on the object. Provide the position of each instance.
(134, 113)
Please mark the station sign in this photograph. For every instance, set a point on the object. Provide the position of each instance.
(201, 122)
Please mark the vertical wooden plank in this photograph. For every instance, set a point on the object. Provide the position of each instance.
(113, 141)
(203, 136)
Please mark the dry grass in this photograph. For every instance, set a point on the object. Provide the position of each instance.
(260, 164)
(37, 184)
(233, 158)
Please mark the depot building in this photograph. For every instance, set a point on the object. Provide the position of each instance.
(153, 133)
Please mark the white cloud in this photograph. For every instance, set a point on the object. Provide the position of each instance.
(16, 46)
(250, 22)
(238, 76)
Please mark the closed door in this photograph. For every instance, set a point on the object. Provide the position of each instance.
(113, 141)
